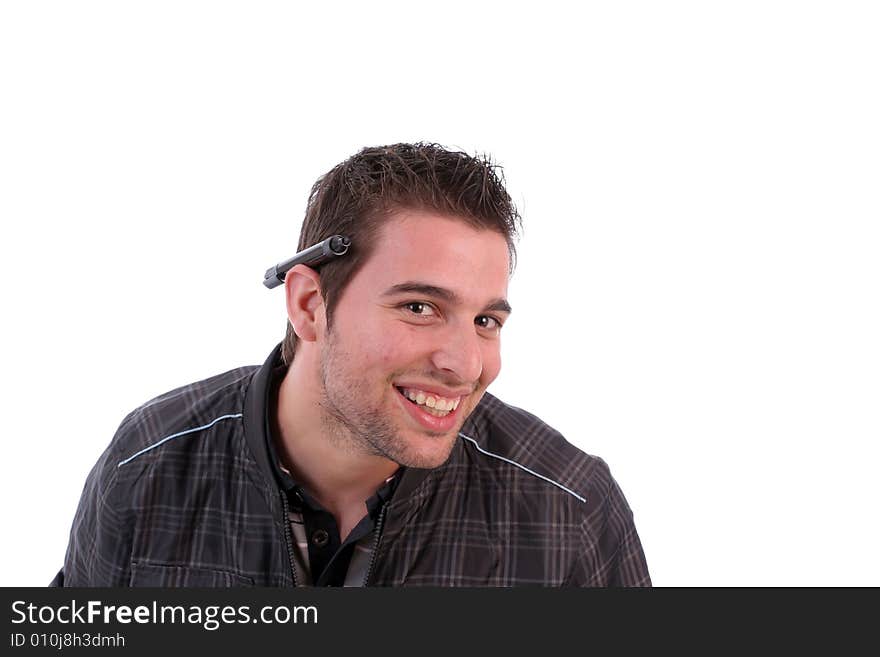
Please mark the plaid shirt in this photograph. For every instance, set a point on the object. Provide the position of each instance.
(185, 496)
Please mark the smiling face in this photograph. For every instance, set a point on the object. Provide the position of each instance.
(415, 338)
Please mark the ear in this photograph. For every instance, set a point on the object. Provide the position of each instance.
(305, 304)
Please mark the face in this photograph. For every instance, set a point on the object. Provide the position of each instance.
(415, 338)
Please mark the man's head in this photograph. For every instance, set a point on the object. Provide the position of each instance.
(357, 196)
(401, 335)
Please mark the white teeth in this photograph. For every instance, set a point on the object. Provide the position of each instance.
(434, 405)
(435, 412)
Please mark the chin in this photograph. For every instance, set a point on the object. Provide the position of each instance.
(427, 459)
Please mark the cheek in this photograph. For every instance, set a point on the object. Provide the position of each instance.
(403, 348)
(384, 346)
(491, 363)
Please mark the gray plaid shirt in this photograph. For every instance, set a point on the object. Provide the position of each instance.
(185, 496)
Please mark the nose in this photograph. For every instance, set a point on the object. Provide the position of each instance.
(460, 353)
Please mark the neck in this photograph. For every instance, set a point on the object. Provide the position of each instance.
(321, 454)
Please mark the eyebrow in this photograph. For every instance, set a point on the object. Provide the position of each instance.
(428, 290)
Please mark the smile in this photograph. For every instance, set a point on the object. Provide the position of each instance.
(430, 402)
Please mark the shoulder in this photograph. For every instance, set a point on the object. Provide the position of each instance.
(163, 425)
(512, 439)
(163, 455)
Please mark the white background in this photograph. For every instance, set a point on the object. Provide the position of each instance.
(697, 294)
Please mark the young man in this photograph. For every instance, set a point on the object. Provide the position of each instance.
(365, 450)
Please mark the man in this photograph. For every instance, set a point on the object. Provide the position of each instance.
(365, 450)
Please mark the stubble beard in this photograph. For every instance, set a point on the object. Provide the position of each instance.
(353, 424)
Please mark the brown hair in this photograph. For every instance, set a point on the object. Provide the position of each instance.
(354, 197)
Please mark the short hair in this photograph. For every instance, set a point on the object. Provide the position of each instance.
(356, 196)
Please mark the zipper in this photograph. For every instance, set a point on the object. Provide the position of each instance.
(377, 536)
(287, 537)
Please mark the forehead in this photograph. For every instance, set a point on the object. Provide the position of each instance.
(436, 249)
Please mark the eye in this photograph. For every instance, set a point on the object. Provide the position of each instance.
(488, 322)
(419, 308)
